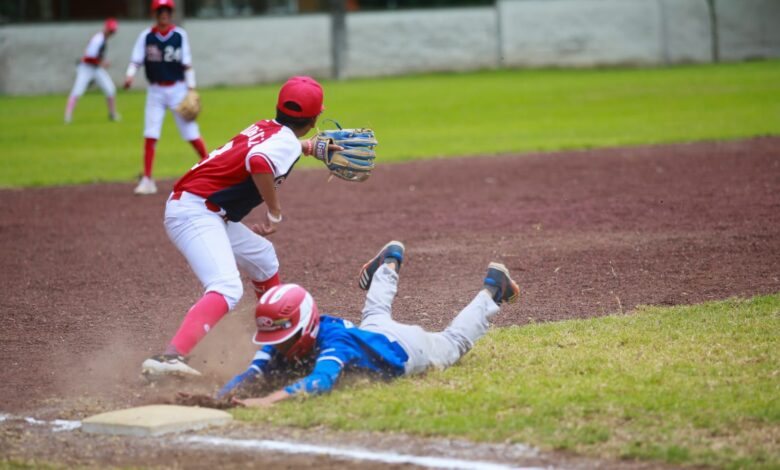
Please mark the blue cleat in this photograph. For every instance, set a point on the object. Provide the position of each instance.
(393, 249)
(498, 282)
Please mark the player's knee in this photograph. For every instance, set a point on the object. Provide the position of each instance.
(231, 289)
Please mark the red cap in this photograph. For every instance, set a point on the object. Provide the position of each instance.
(111, 24)
(156, 4)
(306, 96)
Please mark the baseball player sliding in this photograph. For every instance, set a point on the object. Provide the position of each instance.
(204, 212)
(291, 331)
(164, 52)
(91, 67)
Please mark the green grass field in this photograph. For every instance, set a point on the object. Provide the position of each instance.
(693, 385)
(415, 117)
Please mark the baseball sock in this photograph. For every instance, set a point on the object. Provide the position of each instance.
(199, 320)
(200, 147)
(261, 287)
(149, 145)
(71, 105)
(111, 106)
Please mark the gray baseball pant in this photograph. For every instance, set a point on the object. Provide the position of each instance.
(425, 349)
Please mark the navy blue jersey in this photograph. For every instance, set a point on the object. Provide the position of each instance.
(340, 346)
(164, 56)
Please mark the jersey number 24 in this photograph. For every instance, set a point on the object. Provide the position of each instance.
(172, 54)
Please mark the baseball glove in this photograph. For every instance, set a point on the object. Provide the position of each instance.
(356, 161)
(189, 108)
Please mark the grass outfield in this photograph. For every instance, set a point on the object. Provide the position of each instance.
(415, 117)
(693, 385)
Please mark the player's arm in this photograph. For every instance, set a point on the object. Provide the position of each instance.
(260, 364)
(186, 61)
(330, 364)
(266, 185)
(136, 59)
(266, 161)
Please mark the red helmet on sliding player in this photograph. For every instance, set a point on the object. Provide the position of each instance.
(282, 313)
(156, 4)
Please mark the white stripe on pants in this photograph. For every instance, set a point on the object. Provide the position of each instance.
(425, 349)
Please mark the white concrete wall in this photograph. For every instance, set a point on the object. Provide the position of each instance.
(580, 32)
(748, 29)
(259, 50)
(686, 32)
(42, 58)
(517, 33)
(393, 43)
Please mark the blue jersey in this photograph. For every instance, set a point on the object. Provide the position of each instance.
(340, 346)
(164, 56)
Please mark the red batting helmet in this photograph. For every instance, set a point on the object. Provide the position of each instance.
(156, 4)
(281, 313)
(111, 24)
(300, 97)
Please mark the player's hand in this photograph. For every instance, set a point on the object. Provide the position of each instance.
(264, 229)
(237, 382)
(307, 146)
(128, 83)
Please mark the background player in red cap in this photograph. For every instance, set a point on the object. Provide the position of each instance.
(204, 212)
(164, 52)
(91, 67)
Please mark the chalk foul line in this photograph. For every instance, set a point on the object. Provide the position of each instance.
(352, 454)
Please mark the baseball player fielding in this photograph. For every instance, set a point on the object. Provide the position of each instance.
(91, 67)
(163, 50)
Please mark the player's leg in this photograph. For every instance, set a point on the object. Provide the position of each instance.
(84, 75)
(201, 236)
(154, 113)
(107, 85)
(471, 324)
(256, 256)
(380, 277)
(189, 130)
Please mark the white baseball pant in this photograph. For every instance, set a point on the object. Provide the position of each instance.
(425, 349)
(85, 73)
(215, 249)
(158, 99)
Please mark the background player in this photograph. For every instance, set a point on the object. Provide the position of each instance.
(203, 216)
(291, 330)
(91, 67)
(164, 52)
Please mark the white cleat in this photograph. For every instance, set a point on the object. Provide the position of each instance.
(145, 187)
(167, 365)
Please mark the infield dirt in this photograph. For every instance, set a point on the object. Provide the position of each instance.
(92, 286)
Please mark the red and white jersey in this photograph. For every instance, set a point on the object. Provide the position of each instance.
(225, 178)
(96, 49)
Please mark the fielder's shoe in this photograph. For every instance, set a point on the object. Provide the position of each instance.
(115, 117)
(145, 186)
(498, 282)
(393, 249)
(167, 365)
